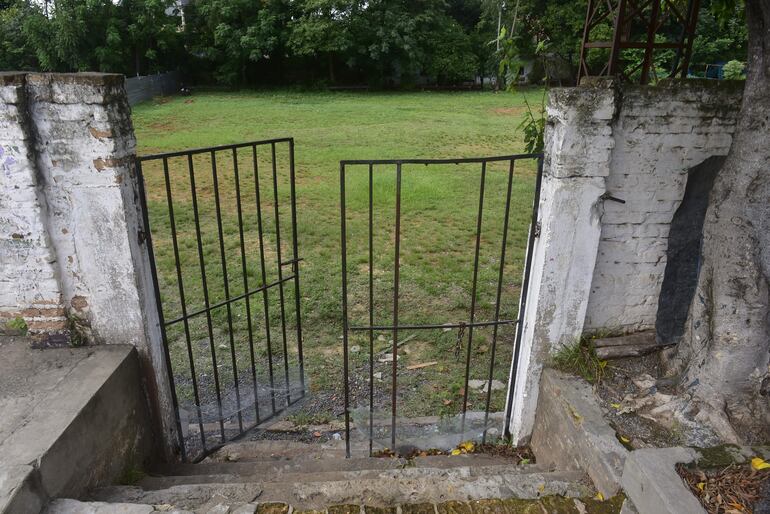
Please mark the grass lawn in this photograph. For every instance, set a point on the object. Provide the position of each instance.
(437, 246)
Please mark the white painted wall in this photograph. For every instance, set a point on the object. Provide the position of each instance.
(71, 226)
(660, 134)
(599, 264)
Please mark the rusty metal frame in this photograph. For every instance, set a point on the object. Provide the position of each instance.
(652, 14)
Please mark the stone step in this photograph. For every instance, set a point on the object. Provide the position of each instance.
(280, 467)
(469, 470)
(378, 488)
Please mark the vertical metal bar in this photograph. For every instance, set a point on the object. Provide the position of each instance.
(344, 256)
(616, 38)
(280, 274)
(182, 299)
(473, 294)
(226, 281)
(206, 303)
(497, 300)
(371, 309)
(582, 68)
(396, 276)
(245, 279)
(295, 266)
(651, 30)
(146, 233)
(692, 23)
(523, 301)
(265, 301)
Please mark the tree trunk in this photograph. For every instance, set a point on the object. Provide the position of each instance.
(723, 359)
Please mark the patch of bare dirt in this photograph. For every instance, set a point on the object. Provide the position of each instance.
(619, 385)
(509, 111)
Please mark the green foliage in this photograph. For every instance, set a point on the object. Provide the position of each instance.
(580, 359)
(17, 325)
(533, 126)
(132, 36)
(733, 70)
(379, 42)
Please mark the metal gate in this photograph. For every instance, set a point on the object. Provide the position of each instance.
(228, 298)
(462, 326)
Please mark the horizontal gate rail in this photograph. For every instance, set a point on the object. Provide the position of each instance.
(395, 327)
(222, 155)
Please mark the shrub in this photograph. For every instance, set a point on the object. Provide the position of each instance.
(733, 70)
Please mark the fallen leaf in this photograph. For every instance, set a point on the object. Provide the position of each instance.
(625, 439)
(447, 402)
(759, 464)
(599, 496)
(467, 446)
(615, 405)
(316, 434)
(455, 452)
(541, 487)
(701, 485)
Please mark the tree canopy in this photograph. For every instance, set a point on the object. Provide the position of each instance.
(254, 42)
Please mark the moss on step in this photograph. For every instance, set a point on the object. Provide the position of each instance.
(344, 509)
(719, 456)
(273, 508)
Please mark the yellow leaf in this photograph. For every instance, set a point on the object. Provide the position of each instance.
(541, 487)
(701, 485)
(599, 496)
(759, 464)
(615, 405)
(625, 439)
(456, 452)
(467, 446)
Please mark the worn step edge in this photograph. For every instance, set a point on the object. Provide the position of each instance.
(268, 467)
(155, 483)
(385, 490)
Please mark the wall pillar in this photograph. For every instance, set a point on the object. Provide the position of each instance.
(578, 147)
(76, 157)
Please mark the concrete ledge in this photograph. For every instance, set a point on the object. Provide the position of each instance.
(571, 433)
(73, 419)
(651, 482)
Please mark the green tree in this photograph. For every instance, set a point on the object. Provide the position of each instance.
(323, 30)
(232, 34)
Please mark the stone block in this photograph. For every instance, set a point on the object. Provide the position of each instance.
(570, 432)
(651, 482)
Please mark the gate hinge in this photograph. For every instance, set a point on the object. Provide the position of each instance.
(538, 227)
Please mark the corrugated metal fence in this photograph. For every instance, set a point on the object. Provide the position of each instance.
(146, 87)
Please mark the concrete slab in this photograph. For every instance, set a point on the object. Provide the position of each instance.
(73, 418)
(571, 433)
(651, 482)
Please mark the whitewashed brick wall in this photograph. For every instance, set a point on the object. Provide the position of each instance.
(660, 133)
(29, 283)
(598, 265)
(72, 247)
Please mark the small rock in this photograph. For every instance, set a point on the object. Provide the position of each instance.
(378, 375)
(496, 386)
(476, 384)
(219, 509)
(232, 457)
(381, 337)
(337, 437)
(223, 347)
(355, 348)
(388, 357)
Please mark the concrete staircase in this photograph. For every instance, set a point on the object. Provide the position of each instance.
(281, 476)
